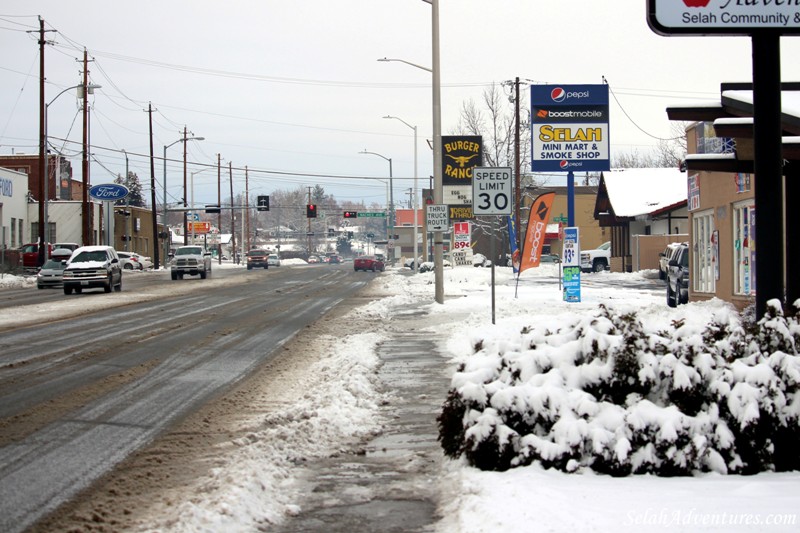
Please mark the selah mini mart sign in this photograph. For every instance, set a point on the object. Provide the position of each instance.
(734, 17)
(569, 128)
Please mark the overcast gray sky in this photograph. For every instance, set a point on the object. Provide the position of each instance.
(294, 91)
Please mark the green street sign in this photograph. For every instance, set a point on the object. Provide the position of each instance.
(373, 214)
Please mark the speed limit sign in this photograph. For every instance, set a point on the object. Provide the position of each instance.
(491, 191)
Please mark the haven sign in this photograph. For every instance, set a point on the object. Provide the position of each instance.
(735, 17)
(569, 126)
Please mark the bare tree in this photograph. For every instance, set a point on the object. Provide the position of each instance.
(668, 153)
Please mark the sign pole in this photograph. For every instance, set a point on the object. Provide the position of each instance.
(768, 168)
(493, 253)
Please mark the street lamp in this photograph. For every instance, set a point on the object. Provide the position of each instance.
(192, 194)
(414, 196)
(437, 142)
(183, 140)
(44, 172)
(390, 229)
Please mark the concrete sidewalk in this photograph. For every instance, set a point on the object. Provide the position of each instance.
(389, 484)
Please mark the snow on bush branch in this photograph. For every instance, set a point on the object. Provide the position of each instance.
(601, 392)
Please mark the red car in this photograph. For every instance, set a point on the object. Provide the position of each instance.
(30, 254)
(368, 262)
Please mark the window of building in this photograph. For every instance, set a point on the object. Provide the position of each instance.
(744, 255)
(704, 260)
(20, 235)
(14, 233)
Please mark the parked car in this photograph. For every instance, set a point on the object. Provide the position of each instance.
(664, 257)
(71, 246)
(368, 262)
(29, 254)
(678, 277)
(596, 260)
(190, 260)
(313, 259)
(409, 262)
(257, 258)
(549, 258)
(129, 261)
(61, 254)
(479, 260)
(51, 274)
(273, 260)
(91, 267)
(145, 261)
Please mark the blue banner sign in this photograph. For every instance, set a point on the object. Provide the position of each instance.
(570, 128)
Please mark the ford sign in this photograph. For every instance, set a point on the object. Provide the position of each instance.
(109, 192)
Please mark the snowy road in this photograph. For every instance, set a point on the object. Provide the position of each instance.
(81, 394)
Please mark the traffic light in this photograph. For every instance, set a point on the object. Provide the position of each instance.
(311, 211)
(263, 203)
(212, 209)
(350, 214)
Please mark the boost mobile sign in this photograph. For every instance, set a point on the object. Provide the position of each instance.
(733, 17)
(569, 128)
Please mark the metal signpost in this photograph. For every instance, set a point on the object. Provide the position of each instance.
(571, 265)
(492, 196)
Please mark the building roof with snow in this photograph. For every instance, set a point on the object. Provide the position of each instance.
(632, 192)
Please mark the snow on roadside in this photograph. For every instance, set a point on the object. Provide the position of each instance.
(255, 484)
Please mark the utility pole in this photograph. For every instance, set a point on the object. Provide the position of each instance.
(247, 207)
(185, 203)
(517, 179)
(219, 203)
(42, 148)
(156, 258)
(308, 233)
(88, 226)
(233, 218)
(128, 217)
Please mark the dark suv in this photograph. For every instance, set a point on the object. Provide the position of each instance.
(678, 277)
(257, 258)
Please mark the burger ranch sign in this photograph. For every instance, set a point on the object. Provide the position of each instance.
(738, 17)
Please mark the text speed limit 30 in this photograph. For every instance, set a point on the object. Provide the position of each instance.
(491, 191)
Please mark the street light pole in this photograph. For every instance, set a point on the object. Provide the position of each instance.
(44, 171)
(415, 194)
(390, 228)
(437, 142)
(192, 194)
(166, 241)
(438, 197)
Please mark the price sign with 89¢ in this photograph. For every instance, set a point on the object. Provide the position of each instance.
(491, 191)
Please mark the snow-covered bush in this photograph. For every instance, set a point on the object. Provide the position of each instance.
(601, 392)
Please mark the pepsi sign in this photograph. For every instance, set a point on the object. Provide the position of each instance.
(569, 128)
(109, 192)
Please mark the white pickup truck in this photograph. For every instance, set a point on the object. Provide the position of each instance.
(596, 260)
(191, 260)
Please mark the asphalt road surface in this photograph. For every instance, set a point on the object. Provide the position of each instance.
(87, 383)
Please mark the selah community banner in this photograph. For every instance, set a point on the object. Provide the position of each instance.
(537, 228)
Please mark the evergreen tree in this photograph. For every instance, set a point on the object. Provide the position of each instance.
(135, 197)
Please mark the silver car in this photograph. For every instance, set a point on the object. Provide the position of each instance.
(51, 274)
